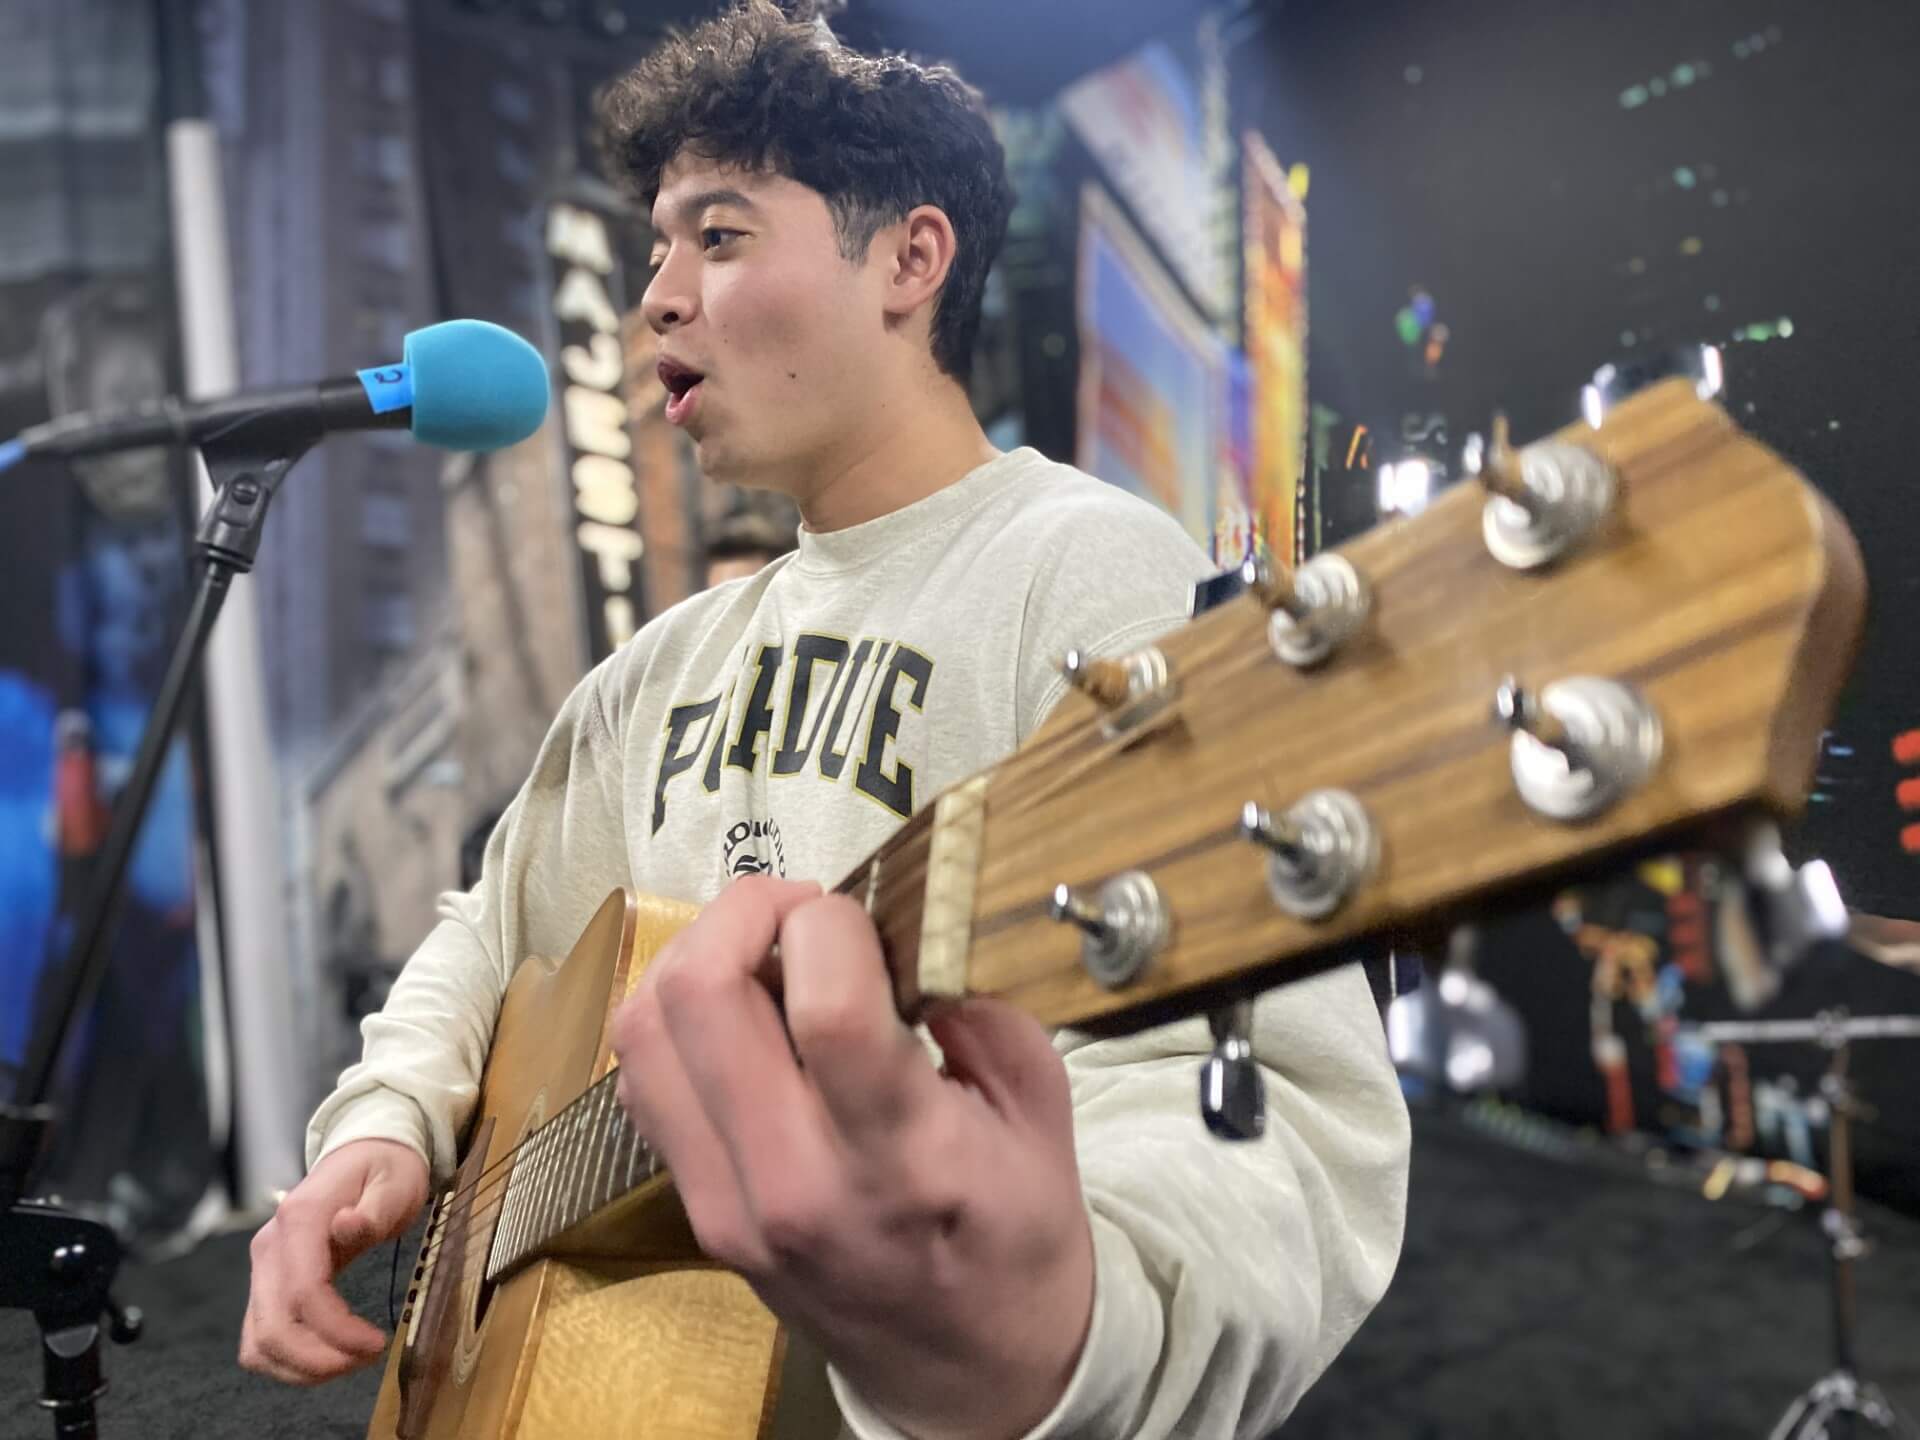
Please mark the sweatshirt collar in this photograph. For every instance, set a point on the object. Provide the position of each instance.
(823, 552)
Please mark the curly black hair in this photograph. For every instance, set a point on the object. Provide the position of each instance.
(875, 135)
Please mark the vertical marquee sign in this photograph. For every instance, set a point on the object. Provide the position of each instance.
(587, 305)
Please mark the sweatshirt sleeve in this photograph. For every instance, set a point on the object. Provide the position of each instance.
(554, 855)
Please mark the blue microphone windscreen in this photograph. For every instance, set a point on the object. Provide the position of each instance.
(476, 386)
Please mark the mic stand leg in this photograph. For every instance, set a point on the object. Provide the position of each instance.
(56, 1264)
(1840, 1405)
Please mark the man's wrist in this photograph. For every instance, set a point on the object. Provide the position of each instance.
(1105, 1382)
(379, 1114)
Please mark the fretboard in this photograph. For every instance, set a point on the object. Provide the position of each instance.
(581, 1160)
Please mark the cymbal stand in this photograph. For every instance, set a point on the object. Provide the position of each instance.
(1839, 1405)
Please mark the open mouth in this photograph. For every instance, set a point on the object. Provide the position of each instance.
(683, 389)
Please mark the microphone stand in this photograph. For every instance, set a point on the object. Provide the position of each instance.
(1840, 1405)
(55, 1263)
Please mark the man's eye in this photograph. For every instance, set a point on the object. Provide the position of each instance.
(714, 236)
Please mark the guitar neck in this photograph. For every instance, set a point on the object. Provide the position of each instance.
(577, 1164)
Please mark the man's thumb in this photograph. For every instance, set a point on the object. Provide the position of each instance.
(377, 1214)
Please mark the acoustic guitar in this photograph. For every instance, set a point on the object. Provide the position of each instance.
(1619, 637)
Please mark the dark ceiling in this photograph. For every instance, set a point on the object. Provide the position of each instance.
(1020, 51)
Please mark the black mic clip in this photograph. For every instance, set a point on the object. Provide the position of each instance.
(246, 472)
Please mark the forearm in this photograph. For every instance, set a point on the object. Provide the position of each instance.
(422, 1054)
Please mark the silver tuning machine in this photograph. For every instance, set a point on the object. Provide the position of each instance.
(1320, 851)
(1311, 611)
(1579, 746)
(1233, 1098)
(1541, 501)
(1790, 909)
(1122, 928)
(1131, 690)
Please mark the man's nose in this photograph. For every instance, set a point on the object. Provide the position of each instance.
(668, 303)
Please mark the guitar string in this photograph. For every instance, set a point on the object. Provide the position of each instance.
(478, 1214)
(490, 1180)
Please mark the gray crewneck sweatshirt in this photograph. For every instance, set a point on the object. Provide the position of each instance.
(789, 722)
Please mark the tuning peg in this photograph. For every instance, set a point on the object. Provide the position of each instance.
(1273, 585)
(1541, 501)
(1312, 610)
(1103, 680)
(1233, 1098)
(1322, 849)
(1579, 746)
(1132, 689)
(1613, 383)
(1122, 928)
(1792, 909)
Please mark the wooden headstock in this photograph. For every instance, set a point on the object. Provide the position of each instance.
(1718, 586)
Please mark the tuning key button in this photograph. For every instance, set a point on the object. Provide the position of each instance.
(1580, 745)
(1132, 690)
(1319, 851)
(1121, 928)
(1106, 681)
(1233, 1099)
(1541, 501)
(1312, 611)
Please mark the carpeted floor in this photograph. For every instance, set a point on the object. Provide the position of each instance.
(1538, 1297)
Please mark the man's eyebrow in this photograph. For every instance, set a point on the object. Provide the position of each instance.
(688, 210)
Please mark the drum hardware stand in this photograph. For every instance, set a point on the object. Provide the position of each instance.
(55, 1263)
(1839, 1405)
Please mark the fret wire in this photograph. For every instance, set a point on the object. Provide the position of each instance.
(549, 1178)
(571, 1189)
(617, 1122)
(558, 1221)
(530, 1196)
(584, 1178)
(503, 1226)
(616, 1133)
(595, 1147)
(527, 1169)
(633, 1157)
(530, 1163)
(500, 1229)
(576, 1198)
(530, 1204)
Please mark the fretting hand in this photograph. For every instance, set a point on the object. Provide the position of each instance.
(926, 1227)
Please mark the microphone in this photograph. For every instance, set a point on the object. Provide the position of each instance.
(460, 385)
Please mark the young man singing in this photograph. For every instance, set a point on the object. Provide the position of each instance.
(1040, 1239)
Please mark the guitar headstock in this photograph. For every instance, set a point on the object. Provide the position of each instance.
(1486, 722)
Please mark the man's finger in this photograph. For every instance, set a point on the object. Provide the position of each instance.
(276, 1344)
(868, 1066)
(1006, 1055)
(659, 1099)
(302, 1286)
(727, 1032)
(299, 1357)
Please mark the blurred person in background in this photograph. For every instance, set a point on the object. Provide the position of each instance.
(1036, 1235)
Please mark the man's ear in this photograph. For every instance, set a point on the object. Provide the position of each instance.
(921, 249)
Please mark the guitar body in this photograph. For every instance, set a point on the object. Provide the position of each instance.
(632, 1334)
